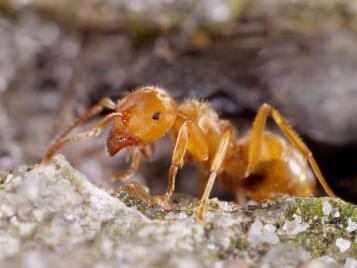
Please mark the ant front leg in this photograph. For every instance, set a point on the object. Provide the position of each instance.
(215, 169)
(95, 131)
(256, 137)
(133, 167)
(190, 138)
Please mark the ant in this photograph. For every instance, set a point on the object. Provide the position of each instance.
(260, 164)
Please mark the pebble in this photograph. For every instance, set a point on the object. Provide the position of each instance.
(350, 263)
(7, 210)
(343, 244)
(259, 233)
(38, 214)
(335, 213)
(295, 226)
(326, 208)
(352, 226)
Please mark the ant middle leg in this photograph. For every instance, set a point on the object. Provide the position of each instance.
(190, 138)
(256, 137)
(133, 167)
(95, 131)
(215, 169)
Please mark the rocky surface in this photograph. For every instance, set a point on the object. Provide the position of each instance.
(53, 216)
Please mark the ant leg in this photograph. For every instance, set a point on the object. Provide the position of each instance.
(227, 183)
(256, 138)
(152, 148)
(133, 167)
(128, 153)
(256, 141)
(191, 138)
(215, 169)
(177, 159)
(202, 179)
(144, 150)
(233, 185)
(95, 131)
(96, 109)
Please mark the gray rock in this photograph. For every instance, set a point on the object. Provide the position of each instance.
(53, 216)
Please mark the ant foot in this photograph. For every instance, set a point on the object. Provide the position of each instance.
(162, 198)
(162, 201)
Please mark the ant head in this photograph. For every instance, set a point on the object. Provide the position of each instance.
(148, 113)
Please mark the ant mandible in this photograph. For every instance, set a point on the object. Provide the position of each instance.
(260, 164)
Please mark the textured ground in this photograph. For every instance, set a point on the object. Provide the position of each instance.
(53, 216)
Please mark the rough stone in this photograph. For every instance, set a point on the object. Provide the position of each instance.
(53, 216)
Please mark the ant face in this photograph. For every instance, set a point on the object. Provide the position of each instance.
(148, 113)
(151, 114)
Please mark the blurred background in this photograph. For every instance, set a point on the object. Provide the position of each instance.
(58, 58)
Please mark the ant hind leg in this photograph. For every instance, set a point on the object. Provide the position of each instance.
(256, 137)
(201, 179)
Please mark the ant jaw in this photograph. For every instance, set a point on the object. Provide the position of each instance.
(118, 140)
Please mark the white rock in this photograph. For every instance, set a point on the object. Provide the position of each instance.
(350, 263)
(352, 226)
(255, 232)
(223, 220)
(325, 261)
(326, 208)
(8, 245)
(25, 229)
(294, 227)
(259, 233)
(30, 189)
(220, 237)
(33, 260)
(7, 210)
(343, 244)
(16, 181)
(14, 221)
(11, 182)
(106, 246)
(38, 214)
(7, 180)
(335, 213)
(269, 234)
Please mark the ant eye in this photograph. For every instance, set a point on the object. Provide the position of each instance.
(156, 116)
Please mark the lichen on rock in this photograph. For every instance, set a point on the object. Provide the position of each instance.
(53, 216)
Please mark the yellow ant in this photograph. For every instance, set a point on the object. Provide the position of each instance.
(260, 164)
